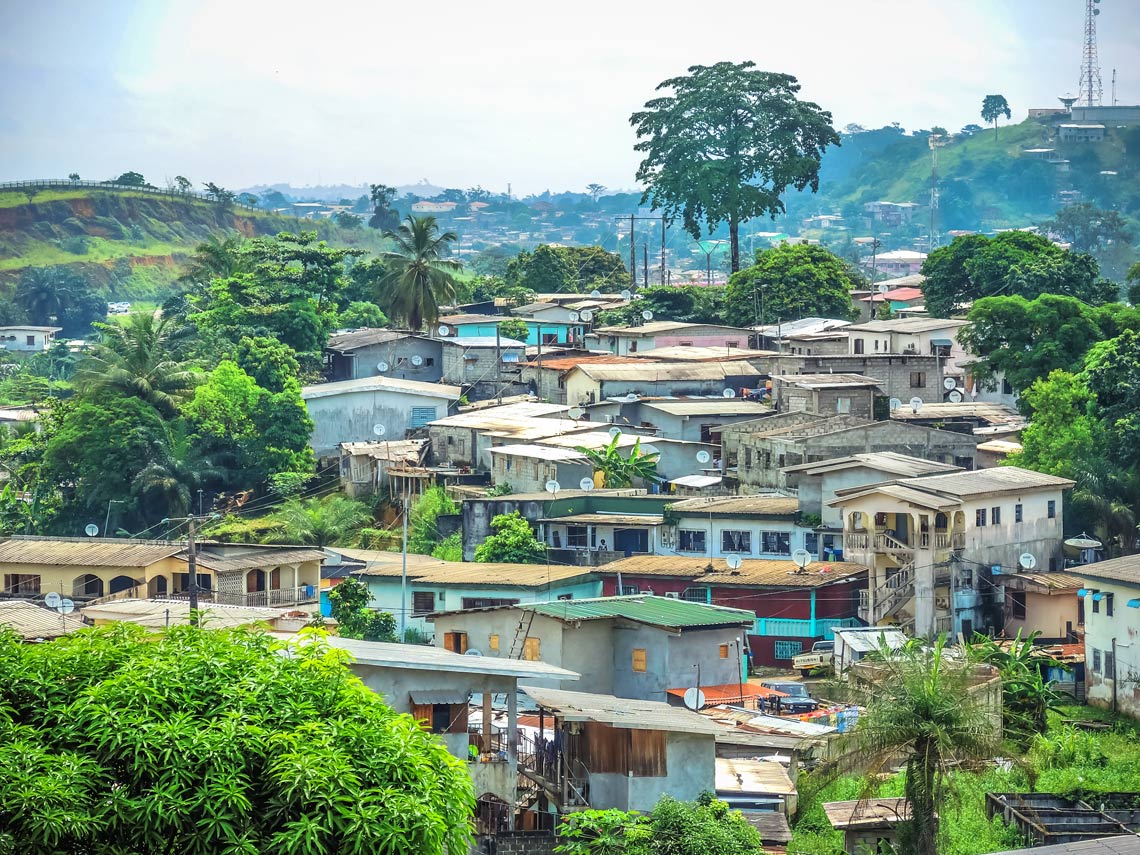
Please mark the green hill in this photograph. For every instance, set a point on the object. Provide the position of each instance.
(129, 244)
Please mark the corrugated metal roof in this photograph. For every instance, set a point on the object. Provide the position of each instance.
(594, 439)
(625, 713)
(861, 813)
(1061, 582)
(541, 452)
(609, 519)
(1124, 844)
(701, 353)
(566, 363)
(471, 342)
(158, 613)
(738, 505)
(752, 777)
(908, 325)
(710, 406)
(471, 574)
(500, 418)
(256, 558)
(453, 320)
(907, 493)
(752, 572)
(826, 381)
(381, 384)
(881, 461)
(651, 372)
(1000, 479)
(420, 657)
(85, 552)
(696, 481)
(346, 341)
(32, 621)
(992, 413)
(653, 611)
(866, 639)
(1126, 569)
(656, 327)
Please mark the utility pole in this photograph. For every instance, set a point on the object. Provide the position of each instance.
(645, 263)
(404, 574)
(192, 568)
(632, 254)
(662, 250)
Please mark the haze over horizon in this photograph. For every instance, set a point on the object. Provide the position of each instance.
(254, 93)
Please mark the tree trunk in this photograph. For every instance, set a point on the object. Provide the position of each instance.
(734, 235)
(921, 782)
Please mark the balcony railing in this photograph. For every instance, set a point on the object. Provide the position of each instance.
(793, 628)
(272, 597)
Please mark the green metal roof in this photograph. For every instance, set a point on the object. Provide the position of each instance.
(654, 611)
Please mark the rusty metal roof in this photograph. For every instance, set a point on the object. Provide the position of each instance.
(255, 558)
(625, 713)
(867, 813)
(737, 506)
(758, 572)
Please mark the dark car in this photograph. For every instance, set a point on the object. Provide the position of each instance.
(797, 701)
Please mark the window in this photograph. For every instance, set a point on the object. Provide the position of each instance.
(1017, 604)
(1006, 387)
(696, 595)
(632, 347)
(487, 602)
(576, 536)
(858, 345)
(429, 361)
(776, 542)
(531, 650)
(747, 458)
(692, 541)
(493, 643)
(22, 584)
(1108, 605)
(565, 596)
(1017, 512)
(456, 642)
(1096, 605)
(423, 602)
(788, 649)
(980, 517)
(735, 541)
(918, 379)
(876, 344)
(842, 405)
(1096, 661)
(995, 516)
(1052, 509)
(638, 663)
(811, 542)
(724, 651)
(628, 590)
(1109, 666)
(31, 340)
(420, 416)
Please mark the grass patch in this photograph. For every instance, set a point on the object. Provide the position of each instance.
(38, 253)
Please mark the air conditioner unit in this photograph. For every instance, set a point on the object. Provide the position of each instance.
(673, 595)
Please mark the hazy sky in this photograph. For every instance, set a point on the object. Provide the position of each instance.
(462, 93)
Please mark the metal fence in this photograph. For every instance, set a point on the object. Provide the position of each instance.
(65, 184)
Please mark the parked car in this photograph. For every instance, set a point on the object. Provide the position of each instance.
(798, 699)
(820, 658)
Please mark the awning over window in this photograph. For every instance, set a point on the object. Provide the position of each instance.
(440, 696)
(1084, 592)
(1099, 596)
(942, 342)
(1134, 604)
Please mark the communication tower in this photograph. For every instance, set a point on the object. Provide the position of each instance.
(1091, 90)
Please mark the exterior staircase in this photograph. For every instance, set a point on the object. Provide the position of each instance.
(888, 598)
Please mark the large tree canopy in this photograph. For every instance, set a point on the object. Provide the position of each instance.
(726, 144)
(791, 281)
(1011, 263)
(207, 742)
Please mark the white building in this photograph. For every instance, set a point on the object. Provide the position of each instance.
(918, 336)
(745, 526)
(27, 339)
(1111, 601)
(932, 541)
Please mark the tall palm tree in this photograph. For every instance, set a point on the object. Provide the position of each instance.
(920, 707)
(215, 258)
(138, 358)
(173, 472)
(421, 276)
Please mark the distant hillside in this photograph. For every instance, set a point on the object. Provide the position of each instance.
(128, 243)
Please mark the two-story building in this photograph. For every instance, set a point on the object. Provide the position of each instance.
(538, 331)
(1111, 603)
(901, 376)
(591, 382)
(652, 334)
(392, 353)
(764, 526)
(931, 543)
(920, 336)
(485, 366)
(465, 438)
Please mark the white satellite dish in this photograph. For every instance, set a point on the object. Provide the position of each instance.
(52, 600)
(650, 449)
(884, 288)
(417, 360)
(647, 315)
(381, 366)
(586, 315)
(595, 293)
(734, 562)
(728, 393)
(1027, 560)
(574, 316)
(442, 330)
(949, 383)
(91, 529)
(703, 456)
(955, 397)
(472, 651)
(916, 404)
(586, 484)
(626, 294)
(553, 486)
(65, 607)
(575, 413)
(802, 558)
(379, 429)
(895, 404)
(614, 431)
(694, 699)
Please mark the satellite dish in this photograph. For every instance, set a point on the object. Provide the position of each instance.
(694, 698)
(916, 404)
(587, 315)
(443, 330)
(802, 558)
(884, 288)
(472, 651)
(65, 607)
(728, 393)
(417, 360)
(650, 449)
(949, 383)
(647, 315)
(52, 600)
(91, 529)
(381, 366)
(734, 562)
(379, 429)
(553, 486)
(574, 316)
(626, 294)
(586, 484)
(575, 413)
(895, 404)
(614, 431)
(955, 397)
(703, 456)
(1027, 560)
(1081, 541)
(595, 293)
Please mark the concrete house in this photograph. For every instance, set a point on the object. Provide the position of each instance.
(776, 336)
(1042, 602)
(652, 334)
(546, 375)
(350, 410)
(363, 353)
(22, 339)
(745, 526)
(485, 326)
(695, 419)
(465, 439)
(838, 394)
(1111, 601)
(633, 646)
(528, 468)
(919, 336)
(931, 542)
(484, 366)
(902, 376)
(589, 383)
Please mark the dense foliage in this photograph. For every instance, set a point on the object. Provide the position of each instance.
(619, 468)
(512, 542)
(204, 742)
(791, 281)
(349, 606)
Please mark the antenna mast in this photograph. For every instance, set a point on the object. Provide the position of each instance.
(1091, 89)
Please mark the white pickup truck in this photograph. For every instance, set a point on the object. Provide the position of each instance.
(821, 657)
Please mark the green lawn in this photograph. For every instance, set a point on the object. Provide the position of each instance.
(37, 253)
